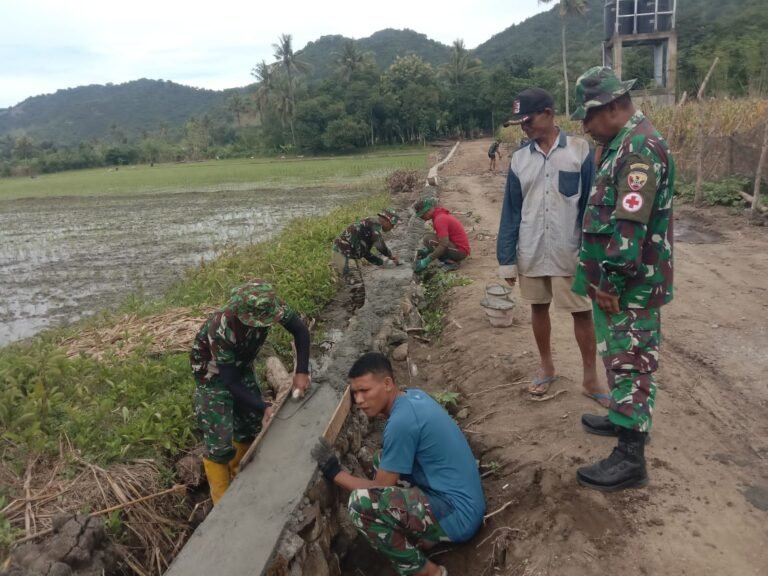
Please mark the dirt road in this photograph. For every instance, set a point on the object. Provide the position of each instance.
(705, 511)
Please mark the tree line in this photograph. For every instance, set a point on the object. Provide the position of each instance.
(358, 106)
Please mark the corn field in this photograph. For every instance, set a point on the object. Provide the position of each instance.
(732, 134)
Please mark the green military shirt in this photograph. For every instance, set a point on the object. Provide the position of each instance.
(627, 228)
(357, 240)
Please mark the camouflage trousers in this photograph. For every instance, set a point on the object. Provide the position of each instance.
(220, 420)
(399, 523)
(628, 343)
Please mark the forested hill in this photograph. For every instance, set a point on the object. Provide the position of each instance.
(99, 111)
(384, 46)
(734, 30)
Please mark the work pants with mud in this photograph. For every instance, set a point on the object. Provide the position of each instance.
(220, 420)
(628, 343)
(399, 523)
(431, 241)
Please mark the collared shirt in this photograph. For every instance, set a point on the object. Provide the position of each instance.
(628, 237)
(540, 228)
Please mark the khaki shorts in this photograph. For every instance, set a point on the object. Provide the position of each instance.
(545, 289)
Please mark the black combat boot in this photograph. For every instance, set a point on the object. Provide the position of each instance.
(624, 468)
(599, 425)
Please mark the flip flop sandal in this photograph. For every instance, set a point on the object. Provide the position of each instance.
(542, 384)
(597, 396)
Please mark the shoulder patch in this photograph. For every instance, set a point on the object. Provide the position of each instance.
(636, 180)
(639, 166)
(632, 202)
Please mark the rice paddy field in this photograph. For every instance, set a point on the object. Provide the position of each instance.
(77, 242)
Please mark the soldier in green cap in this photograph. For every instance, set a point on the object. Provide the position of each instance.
(228, 403)
(359, 238)
(625, 267)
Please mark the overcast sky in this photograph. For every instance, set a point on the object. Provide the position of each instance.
(47, 45)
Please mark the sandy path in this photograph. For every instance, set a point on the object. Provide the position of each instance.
(708, 459)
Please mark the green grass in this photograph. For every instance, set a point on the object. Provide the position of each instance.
(216, 175)
(142, 406)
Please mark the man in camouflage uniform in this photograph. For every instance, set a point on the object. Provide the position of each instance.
(422, 447)
(228, 403)
(359, 238)
(625, 266)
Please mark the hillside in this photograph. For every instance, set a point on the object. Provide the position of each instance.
(732, 29)
(384, 45)
(98, 111)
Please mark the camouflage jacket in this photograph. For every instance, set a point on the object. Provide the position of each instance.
(224, 339)
(627, 228)
(359, 238)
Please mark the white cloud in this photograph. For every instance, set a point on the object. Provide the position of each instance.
(46, 45)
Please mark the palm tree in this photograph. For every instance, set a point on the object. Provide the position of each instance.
(236, 105)
(461, 66)
(458, 73)
(568, 8)
(291, 66)
(349, 60)
(265, 76)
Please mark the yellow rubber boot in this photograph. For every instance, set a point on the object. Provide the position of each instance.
(234, 465)
(218, 478)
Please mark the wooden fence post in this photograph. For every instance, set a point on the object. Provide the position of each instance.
(700, 136)
(759, 172)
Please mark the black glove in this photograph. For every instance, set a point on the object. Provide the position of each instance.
(326, 459)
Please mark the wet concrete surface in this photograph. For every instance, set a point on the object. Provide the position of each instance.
(65, 258)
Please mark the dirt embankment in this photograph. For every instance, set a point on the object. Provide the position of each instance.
(705, 511)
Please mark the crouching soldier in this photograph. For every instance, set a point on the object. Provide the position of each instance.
(228, 404)
(424, 447)
(359, 238)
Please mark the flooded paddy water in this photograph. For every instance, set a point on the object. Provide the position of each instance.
(64, 258)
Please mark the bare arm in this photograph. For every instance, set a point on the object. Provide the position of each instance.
(383, 479)
(441, 248)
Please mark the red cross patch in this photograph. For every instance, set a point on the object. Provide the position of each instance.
(632, 202)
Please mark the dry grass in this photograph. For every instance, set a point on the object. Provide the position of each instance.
(172, 331)
(722, 118)
(151, 530)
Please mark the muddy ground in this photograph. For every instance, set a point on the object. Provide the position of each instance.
(705, 511)
(68, 257)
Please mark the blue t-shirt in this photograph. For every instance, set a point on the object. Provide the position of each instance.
(424, 445)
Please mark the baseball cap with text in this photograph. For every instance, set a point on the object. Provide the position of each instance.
(529, 102)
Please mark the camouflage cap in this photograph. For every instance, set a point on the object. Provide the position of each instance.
(597, 87)
(255, 304)
(421, 207)
(390, 215)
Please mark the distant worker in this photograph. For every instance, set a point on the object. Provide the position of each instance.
(494, 151)
(359, 238)
(540, 233)
(228, 403)
(422, 446)
(625, 267)
(449, 243)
